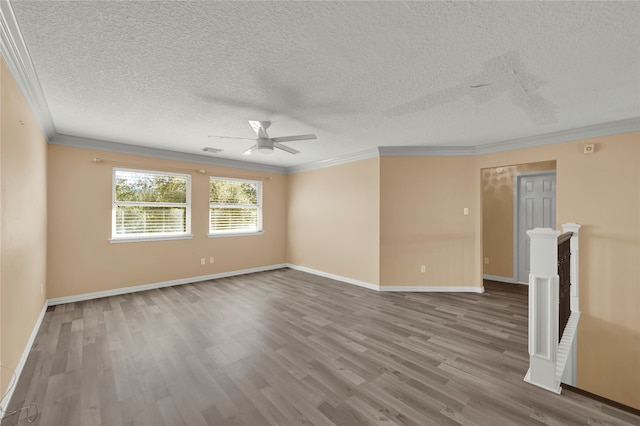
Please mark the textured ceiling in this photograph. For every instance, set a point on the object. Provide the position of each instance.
(358, 74)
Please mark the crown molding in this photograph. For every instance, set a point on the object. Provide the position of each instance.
(16, 55)
(421, 151)
(122, 148)
(335, 161)
(587, 132)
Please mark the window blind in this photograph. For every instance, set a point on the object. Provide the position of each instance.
(150, 203)
(234, 206)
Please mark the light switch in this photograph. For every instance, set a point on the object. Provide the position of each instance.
(466, 211)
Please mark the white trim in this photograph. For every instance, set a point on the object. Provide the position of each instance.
(334, 277)
(191, 280)
(118, 240)
(527, 378)
(236, 234)
(99, 294)
(335, 161)
(23, 360)
(258, 207)
(421, 151)
(433, 289)
(144, 287)
(143, 236)
(416, 289)
(587, 132)
(509, 280)
(122, 148)
(125, 290)
(16, 55)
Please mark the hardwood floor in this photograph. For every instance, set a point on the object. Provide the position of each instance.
(284, 348)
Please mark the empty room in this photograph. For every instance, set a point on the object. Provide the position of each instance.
(319, 213)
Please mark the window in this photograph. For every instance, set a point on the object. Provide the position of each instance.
(150, 205)
(235, 206)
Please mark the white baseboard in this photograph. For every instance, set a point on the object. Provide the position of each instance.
(498, 278)
(118, 291)
(334, 277)
(99, 294)
(180, 281)
(425, 289)
(433, 289)
(23, 360)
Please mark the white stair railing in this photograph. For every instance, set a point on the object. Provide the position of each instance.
(551, 362)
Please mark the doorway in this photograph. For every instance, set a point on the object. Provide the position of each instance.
(500, 210)
(535, 207)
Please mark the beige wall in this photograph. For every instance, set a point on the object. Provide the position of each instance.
(374, 220)
(352, 220)
(23, 233)
(600, 191)
(497, 214)
(334, 220)
(81, 259)
(422, 222)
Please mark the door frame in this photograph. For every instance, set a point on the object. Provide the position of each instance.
(516, 214)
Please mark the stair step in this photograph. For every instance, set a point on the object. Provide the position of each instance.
(564, 348)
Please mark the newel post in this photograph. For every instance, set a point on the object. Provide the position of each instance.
(543, 309)
(575, 264)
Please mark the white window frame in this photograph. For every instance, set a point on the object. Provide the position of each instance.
(155, 236)
(236, 232)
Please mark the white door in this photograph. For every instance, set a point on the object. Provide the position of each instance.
(536, 208)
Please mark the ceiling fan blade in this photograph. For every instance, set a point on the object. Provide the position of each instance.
(260, 127)
(294, 138)
(230, 137)
(285, 148)
(250, 150)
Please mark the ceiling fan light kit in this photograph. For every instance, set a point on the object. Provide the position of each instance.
(265, 144)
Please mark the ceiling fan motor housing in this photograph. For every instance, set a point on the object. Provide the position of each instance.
(264, 146)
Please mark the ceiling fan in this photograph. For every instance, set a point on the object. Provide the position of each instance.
(265, 144)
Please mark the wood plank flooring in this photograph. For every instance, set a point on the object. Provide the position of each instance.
(287, 348)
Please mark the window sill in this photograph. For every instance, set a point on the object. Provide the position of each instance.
(235, 234)
(145, 239)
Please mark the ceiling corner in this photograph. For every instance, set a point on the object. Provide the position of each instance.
(16, 55)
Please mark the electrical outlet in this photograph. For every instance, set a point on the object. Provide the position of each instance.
(211, 259)
(203, 261)
(466, 211)
(486, 260)
(423, 268)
